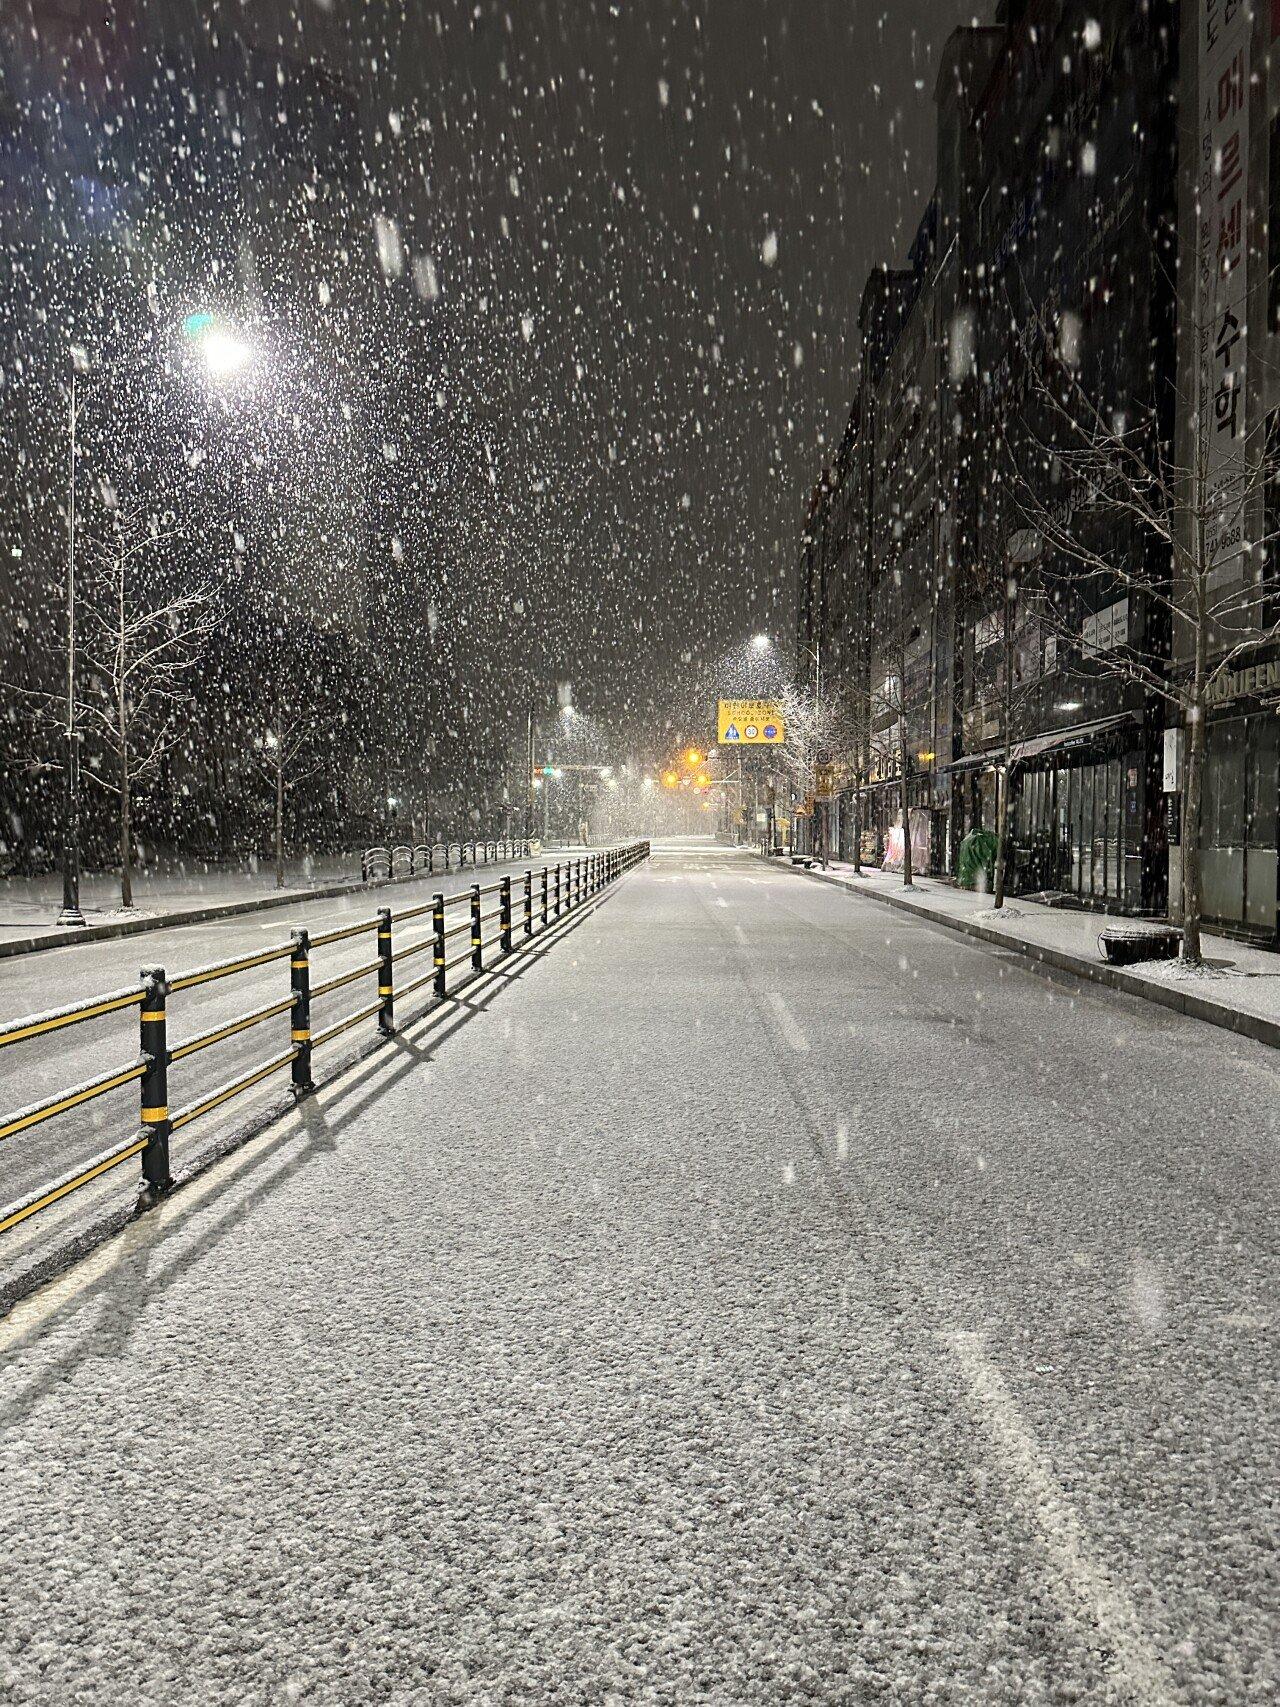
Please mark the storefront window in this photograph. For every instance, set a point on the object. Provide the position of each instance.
(1095, 802)
(1113, 830)
(1260, 837)
(1073, 830)
(1222, 821)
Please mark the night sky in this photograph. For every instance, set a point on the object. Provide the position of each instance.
(591, 292)
(650, 226)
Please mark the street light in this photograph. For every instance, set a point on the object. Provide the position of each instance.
(70, 913)
(225, 353)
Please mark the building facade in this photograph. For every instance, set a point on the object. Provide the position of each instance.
(1228, 349)
(1046, 249)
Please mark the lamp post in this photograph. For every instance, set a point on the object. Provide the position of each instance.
(224, 354)
(70, 913)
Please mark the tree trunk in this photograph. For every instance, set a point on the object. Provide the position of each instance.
(1196, 718)
(857, 825)
(1002, 830)
(279, 818)
(1005, 778)
(1191, 876)
(906, 827)
(126, 825)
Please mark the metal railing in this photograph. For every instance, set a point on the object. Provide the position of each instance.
(543, 896)
(425, 859)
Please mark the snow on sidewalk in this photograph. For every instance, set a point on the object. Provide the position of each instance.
(30, 904)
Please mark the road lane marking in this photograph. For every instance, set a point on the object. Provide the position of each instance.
(720, 901)
(789, 1024)
(740, 933)
(1081, 1580)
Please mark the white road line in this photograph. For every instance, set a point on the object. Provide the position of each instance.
(720, 901)
(739, 933)
(1080, 1579)
(787, 1021)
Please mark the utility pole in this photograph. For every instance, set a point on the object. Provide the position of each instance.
(528, 774)
(70, 913)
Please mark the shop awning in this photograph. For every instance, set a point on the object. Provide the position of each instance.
(1059, 740)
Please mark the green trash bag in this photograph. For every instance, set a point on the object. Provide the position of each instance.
(977, 866)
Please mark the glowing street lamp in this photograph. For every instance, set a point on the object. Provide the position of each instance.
(224, 352)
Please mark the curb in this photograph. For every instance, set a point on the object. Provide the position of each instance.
(1186, 1002)
(204, 915)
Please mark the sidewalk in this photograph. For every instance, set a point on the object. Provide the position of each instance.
(1238, 988)
(185, 893)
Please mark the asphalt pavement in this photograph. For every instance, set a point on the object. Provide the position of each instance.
(753, 1295)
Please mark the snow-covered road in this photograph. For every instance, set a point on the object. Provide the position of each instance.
(754, 1296)
(80, 971)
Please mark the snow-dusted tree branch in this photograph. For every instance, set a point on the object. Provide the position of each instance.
(1178, 548)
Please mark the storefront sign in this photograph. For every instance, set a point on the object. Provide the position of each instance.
(1221, 271)
(1233, 684)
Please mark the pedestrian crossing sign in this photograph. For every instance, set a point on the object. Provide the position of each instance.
(750, 723)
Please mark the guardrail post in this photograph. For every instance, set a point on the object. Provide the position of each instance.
(300, 1016)
(528, 903)
(504, 914)
(437, 931)
(546, 880)
(557, 889)
(477, 936)
(154, 1039)
(386, 987)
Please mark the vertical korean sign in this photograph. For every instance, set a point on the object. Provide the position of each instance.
(1222, 272)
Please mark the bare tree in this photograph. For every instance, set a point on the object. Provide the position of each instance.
(140, 642)
(140, 645)
(284, 754)
(1183, 543)
(816, 728)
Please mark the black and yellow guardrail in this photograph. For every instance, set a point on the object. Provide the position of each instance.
(426, 858)
(543, 897)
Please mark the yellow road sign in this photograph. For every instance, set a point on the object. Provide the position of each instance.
(750, 723)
